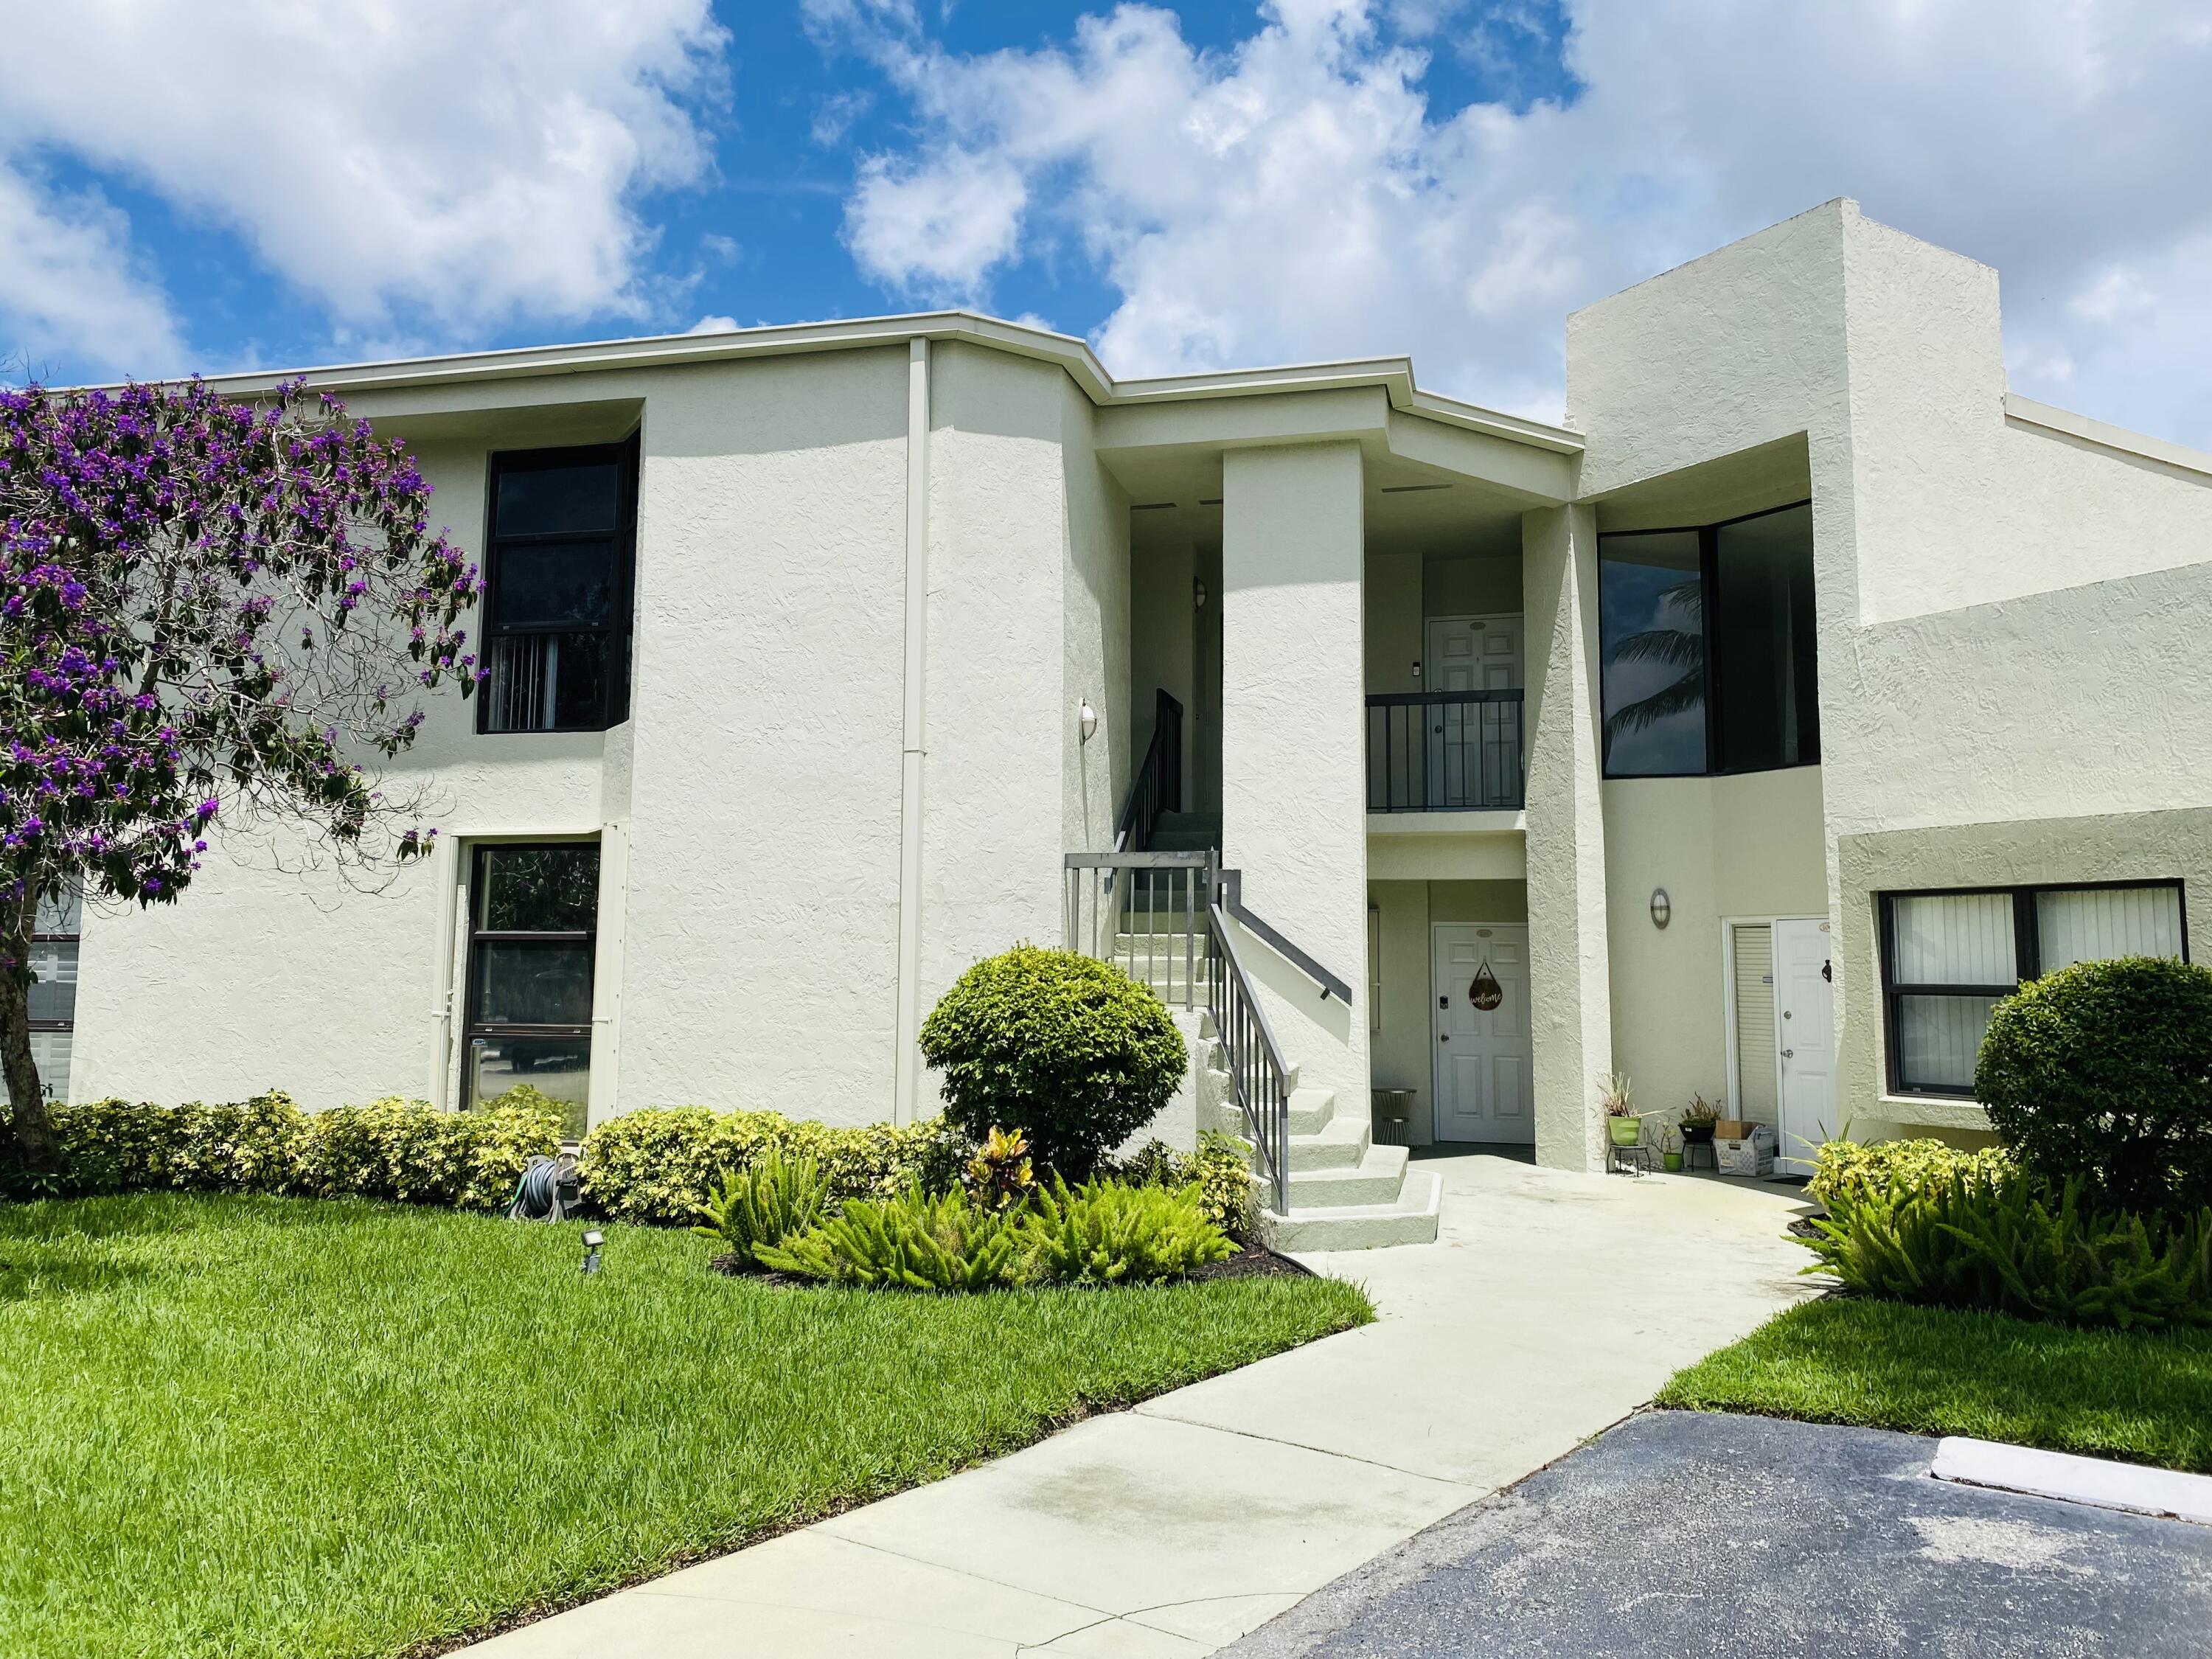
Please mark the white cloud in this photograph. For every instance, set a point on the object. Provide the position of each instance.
(436, 164)
(714, 324)
(1296, 195)
(67, 289)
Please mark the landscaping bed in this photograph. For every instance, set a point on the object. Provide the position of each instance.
(2142, 1396)
(251, 1424)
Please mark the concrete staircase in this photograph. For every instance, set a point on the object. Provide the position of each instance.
(1346, 1193)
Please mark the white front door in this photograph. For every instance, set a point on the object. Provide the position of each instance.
(1474, 749)
(1485, 1086)
(1805, 1041)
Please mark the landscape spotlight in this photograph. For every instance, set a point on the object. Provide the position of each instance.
(592, 1240)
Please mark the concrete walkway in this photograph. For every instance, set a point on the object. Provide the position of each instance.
(1551, 1306)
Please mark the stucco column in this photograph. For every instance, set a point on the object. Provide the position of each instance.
(1569, 963)
(1293, 791)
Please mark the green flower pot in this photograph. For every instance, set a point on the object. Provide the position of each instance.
(1673, 1161)
(1627, 1131)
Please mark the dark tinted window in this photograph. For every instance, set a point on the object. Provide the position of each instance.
(542, 501)
(1652, 646)
(1764, 647)
(539, 889)
(557, 621)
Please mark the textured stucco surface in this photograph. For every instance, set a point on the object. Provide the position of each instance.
(2008, 616)
(749, 812)
(1569, 975)
(1747, 846)
(1293, 792)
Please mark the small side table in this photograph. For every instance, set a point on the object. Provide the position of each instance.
(1692, 1148)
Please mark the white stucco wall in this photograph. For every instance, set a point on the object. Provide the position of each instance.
(2007, 613)
(749, 812)
(1294, 814)
(1729, 847)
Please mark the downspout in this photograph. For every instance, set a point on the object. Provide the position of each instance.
(908, 1086)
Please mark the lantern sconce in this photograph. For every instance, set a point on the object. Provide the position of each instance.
(1198, 594)
(1662, 907)
(1087, 718)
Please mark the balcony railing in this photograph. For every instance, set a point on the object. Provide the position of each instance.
(1444, 752)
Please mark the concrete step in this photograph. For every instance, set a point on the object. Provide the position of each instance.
(1411, 1219)
(1340, 1144)
(1378, 1178)
(1311, 1110)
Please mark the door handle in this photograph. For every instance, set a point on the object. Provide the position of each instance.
(1443, 1036)
(1789, 1053)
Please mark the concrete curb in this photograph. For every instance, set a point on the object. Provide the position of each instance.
(2093, 1481)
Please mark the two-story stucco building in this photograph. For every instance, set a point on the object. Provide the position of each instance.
(1747, 732)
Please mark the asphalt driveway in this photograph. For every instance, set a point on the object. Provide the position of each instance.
(1682, 1533)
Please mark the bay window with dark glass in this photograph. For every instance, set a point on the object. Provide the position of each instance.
(561, 548)
(533, 915)
(1949, 958)
(1708, 656)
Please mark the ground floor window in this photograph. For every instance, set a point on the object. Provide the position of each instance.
(534, 914)
(53, 993)
(1949, 958)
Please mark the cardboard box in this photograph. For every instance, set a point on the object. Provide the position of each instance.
(1751, 1153)
(1733, 1128)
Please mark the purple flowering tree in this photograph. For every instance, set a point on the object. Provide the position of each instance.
(210, 610)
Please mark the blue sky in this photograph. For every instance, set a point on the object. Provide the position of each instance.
(262, 184)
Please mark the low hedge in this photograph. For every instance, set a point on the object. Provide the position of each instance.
(1858, 1170)
(404, 1150)
(658, 1165)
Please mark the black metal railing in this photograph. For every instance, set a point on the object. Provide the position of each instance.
(1158, 787)
(1257, 1075)
(1444, 752)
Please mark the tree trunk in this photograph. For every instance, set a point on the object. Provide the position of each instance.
(35, 1148)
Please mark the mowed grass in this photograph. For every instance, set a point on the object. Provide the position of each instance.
(256, 1426)
(2144, 1397)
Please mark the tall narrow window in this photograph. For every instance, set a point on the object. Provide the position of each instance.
(534, 921)
(53, 992)
(1765, 696)
(558, 599)
(1651, 628)
(1947, 958)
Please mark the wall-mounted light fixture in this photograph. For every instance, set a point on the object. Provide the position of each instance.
(1087, 718)
(1198, 593)
(1662, 907)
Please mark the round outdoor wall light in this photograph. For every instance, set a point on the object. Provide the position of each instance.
(1087, 718)
(1662, 907)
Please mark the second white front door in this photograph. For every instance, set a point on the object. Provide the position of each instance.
(1484, 1057)
(1805, 1039)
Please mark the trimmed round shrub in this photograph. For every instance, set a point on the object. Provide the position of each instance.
(2104, 1071)
(1069, 1050)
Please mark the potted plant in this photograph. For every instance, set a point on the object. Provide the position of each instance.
(1671, 1151)
(1698, 1120)
(1612, 1093)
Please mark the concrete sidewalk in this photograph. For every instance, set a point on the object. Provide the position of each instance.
(1552, 1305)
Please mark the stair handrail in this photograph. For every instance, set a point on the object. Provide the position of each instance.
(1258, 1077)
(1178, 887)
(1158, 786)
(1232, 883)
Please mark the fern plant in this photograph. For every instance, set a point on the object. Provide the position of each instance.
(773, 1200)
(913, 1242)
(2001, 1240)
(1110, 1233)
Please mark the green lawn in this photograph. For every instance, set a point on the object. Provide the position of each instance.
(2141, 1397)
(272, 1426)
